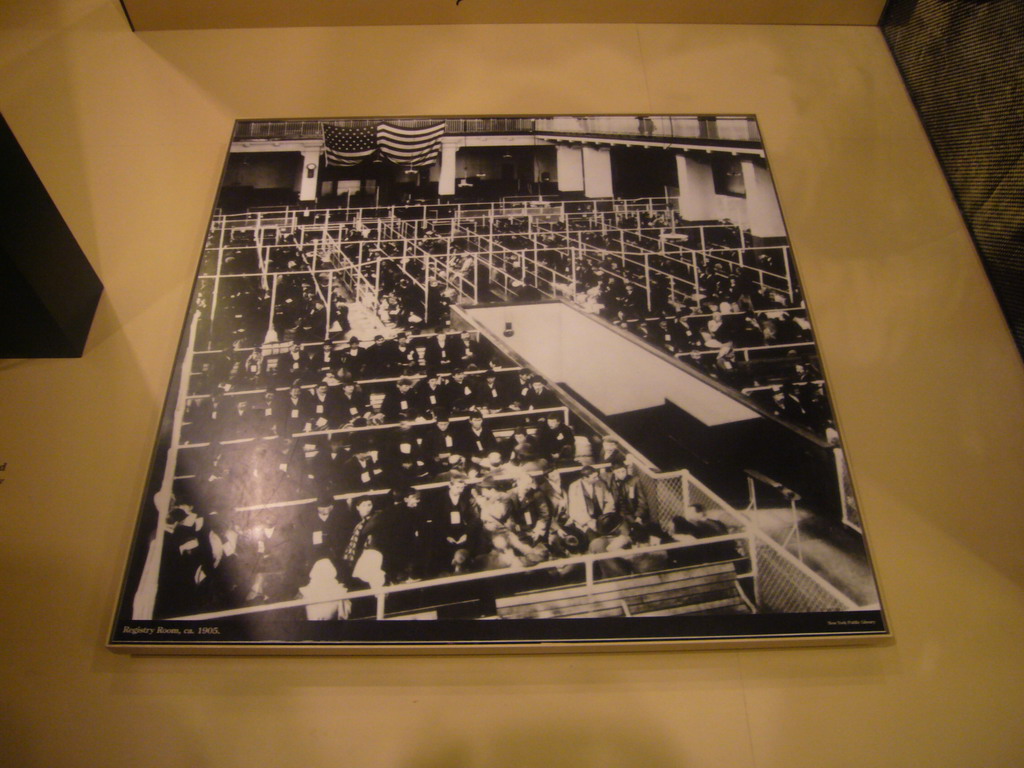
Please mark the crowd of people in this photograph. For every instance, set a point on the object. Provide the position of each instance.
(218, 558)
(320, 470)
(724, 312)
(312, 464)
(716, 313)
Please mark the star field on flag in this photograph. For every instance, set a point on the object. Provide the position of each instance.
(349, 146)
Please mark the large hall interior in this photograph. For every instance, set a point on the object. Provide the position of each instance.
(127, 124)
(619, 294)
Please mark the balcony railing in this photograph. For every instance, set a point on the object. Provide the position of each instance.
(734, 128)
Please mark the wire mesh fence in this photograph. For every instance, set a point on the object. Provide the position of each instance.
(782, 584)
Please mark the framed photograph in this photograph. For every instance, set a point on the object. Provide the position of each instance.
(496, 383)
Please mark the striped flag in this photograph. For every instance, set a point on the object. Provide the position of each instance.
(349, 146)
(410, 146)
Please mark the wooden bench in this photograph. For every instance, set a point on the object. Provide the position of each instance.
(711, 588)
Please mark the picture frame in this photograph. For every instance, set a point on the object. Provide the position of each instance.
(479, 384)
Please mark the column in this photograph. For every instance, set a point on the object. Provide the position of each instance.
(446, 182)
(696, 189)
(570, 168)
(763, 214)
(310, 178)
(597, 172)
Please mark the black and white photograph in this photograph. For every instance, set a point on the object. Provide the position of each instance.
(497, 382)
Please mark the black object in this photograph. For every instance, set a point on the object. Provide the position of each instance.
(48, 290)
(963, 63)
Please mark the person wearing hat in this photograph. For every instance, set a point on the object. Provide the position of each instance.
(460, 394)
(495, 507)
(519, 447)
(439, 440)
(350, 403)
(294, 365)
(401, 401)
(430, 394)
(270, 551)
(539, 396)
(456, 465)
(475, 351)
(535, 511)
(324, 405)
(402, 355)
(336, 457)
(522, 389)
(239, 422)
(320, 531)
(324, 358)
(352, 358)
(313, 471)
(630, 499)
(297, 412)
(361, 472)
(404, 460)
(361, 525)
(491, 396)
(403, 536)
(555, 440)
(441, 353)
(588, 500)
(377, 358)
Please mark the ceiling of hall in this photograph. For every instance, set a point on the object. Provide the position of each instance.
(204, 14)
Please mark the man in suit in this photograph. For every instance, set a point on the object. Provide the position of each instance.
(352, 359)
(555, 440)
(477, 440)
(539, 396)
(430, 395)
(270, 552)
(324, 358)
(296, 413)
(378, 358)
(442, 353)
(460, 393)
(358, 535)
(323, 405)
(590, 505)
(351, 403)
(475, 351)
(458, 536)
(293, 365)
(361, 472)
(401, 402)
(320, 532)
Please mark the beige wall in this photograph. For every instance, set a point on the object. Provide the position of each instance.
(129, 132)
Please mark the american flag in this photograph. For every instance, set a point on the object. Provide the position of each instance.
(410, 146)
(349, 146)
